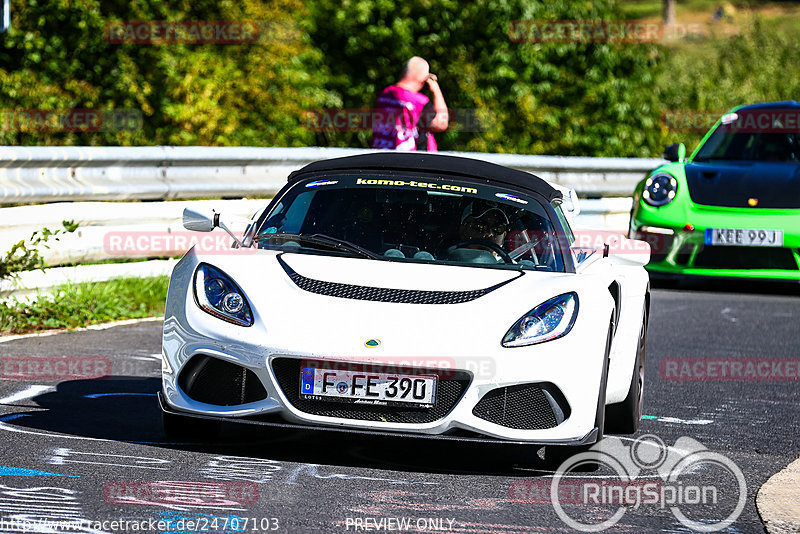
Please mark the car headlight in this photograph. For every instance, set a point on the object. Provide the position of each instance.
(660, 189)
(218, 295)
(549, 320)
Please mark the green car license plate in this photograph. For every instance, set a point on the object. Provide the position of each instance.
(743, 237)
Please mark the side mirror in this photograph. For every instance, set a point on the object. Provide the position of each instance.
(571, 204)
(198, 221)
(569, 200)
(675, 152)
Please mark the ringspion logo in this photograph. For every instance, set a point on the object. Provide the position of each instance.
(704, 490)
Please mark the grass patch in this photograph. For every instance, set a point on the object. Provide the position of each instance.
(78, 305)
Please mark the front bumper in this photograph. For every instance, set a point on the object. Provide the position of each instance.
(684, 253)
(575, 424)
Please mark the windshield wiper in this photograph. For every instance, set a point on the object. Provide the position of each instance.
(325, 240)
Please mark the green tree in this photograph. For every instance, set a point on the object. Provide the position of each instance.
(582, 99)
(57, 56)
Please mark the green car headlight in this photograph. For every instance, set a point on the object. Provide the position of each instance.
(549, 320)
(219, 296)
(660, 189)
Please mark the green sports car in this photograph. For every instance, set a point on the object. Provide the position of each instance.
(732, 208)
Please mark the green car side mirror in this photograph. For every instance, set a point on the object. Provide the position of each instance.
(675, 152)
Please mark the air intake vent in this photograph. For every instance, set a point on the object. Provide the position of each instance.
(381, 294)
(716, 257)
(524, 407)
(214, 381)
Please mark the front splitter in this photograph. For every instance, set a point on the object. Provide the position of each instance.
(588, 439)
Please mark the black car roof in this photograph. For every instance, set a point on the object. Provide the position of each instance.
(431, 164)
(790, 104)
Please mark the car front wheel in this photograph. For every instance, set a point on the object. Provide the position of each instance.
(623, 417)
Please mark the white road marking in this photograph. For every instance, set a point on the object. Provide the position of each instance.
(726, 313)
(685, 421)
(676, 420)
(27, 393)
(311, 470)
(148, 357)
(139, 462)
(258, 470)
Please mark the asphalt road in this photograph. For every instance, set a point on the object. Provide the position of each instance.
(83, 448)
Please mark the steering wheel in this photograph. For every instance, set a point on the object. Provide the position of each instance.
(494, 247)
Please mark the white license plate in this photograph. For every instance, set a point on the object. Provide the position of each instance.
(742, 237)
(365, 387)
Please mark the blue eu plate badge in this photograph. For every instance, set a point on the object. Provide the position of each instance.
(307, 382)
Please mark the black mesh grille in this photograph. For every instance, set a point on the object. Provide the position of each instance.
(716, 257)
(451, 386)
(382, 294)
(524, 407)
(214, 381)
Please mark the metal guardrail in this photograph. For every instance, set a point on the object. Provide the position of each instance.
(159, 224)
(50, 174)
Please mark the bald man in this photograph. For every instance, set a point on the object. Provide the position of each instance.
(396, 119)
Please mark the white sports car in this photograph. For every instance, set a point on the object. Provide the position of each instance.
(416, 294)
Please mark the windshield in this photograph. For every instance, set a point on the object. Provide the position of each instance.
(768, 135)
(413, 219)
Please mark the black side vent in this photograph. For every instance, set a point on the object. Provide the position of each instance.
(524, 407)
(214, 381)
(615, 291)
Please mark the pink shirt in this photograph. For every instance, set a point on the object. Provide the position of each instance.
(396, 118)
